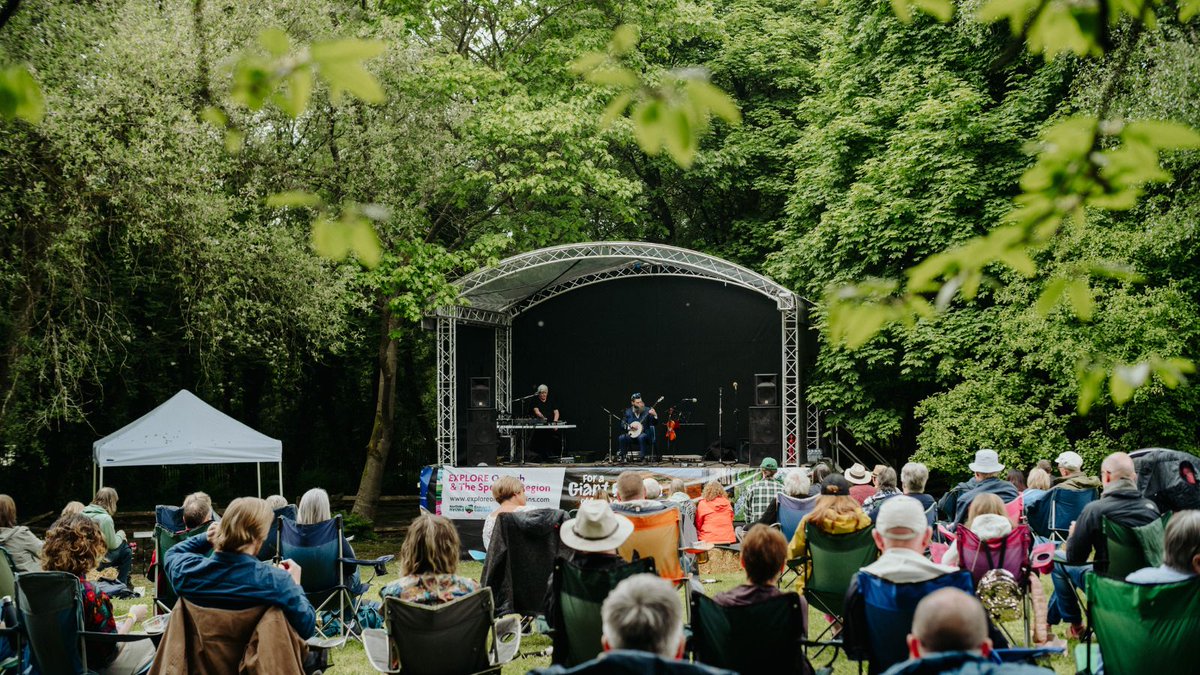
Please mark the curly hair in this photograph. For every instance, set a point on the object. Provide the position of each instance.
(430, 547)
(73, 544)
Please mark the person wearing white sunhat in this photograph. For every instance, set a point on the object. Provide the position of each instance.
(987, 469)
(860, 482)
(594, 534)
(1070, 468)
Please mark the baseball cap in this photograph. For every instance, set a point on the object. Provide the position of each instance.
(769, 463)
(1071, 459)
(901, 512)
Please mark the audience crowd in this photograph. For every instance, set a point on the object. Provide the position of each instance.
(641, 617)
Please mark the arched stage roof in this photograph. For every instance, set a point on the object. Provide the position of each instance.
(493, 295)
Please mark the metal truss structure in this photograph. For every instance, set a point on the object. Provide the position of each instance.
(495, 295)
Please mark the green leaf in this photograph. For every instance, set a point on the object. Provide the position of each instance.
(647, 122)
(588, 62)
(624, 38)
(680, 136)
(1080, 295)
(1162, 135)
(612, 77)
(942, 10)
(330, 239)
(215, 117)
(20, 95)
(274, 41)
(713, 99)
(352, 78)
(615, 109)
(365, 243)
(300, 84)
(1188, 9)
(234, 139)
(1089, 388)
(1051, 294)
(1126, 379)
(297, 198)
(349, 49)
(902, 10)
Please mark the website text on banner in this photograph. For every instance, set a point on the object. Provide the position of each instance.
(466, 493)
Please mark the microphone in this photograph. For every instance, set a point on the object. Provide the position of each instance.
(693, 400)
(735, 386)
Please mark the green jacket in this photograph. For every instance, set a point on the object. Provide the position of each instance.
(105, 521)
(1077, 481)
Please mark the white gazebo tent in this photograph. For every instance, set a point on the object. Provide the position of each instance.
(186, 430)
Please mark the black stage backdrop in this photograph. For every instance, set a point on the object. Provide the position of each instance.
(674, 337)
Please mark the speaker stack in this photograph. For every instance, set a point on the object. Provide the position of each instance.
(766, 419)
(481, 424)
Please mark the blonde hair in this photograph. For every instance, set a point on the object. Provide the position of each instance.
(314, 507)
(985, 503)
(71, 509)
(506, 488)
(106, 498)
(247, 520)
(1038, 479)
(829, 507)
(712, 490)
(8, 511)
(430, 547)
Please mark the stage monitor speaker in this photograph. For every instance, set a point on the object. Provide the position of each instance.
(766, 423)
(766, 389)
(481, 437)
(481, 392)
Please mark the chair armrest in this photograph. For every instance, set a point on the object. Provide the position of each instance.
(113, 638)
(506, 639)
(375, 643)
(380, 563)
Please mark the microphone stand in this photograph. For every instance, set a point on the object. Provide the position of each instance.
(720, 422)
(613, 415)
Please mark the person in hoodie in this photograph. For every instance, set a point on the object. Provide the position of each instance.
(714, 515)
(119, 554)
(20, 543)
(835, 512)
(1071, 476)
(950, 637)
(986, 518)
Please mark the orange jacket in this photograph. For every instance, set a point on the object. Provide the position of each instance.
(714, 521)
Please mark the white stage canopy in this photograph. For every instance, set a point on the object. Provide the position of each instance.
(186, 430)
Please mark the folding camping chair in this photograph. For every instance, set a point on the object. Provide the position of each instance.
(830, 563)
(10, 636)
(655, 535)
(575, 626)
(270, 547)
(889, 613)
(792, 511)
(520, 560)
(1052, 515)
(1141, 628)
(1016, 510)
(164, 538)
(1132, 548)
(1011, 554)
(446, 639)
(318, 549)
(50, 605)
(766, 637)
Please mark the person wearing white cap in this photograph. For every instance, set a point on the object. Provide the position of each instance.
(987, 468)
(1070, 468)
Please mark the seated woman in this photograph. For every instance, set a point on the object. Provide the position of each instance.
(509, 493)
(1181, 552)
(20, 543)
(884, 480)
(714, 515)
(987, 518)
(795, 484)
(835, 512)
(75, 545)
(118, 553)
(913, 477)
(428, 563)
(1039, 484)
(233, 577)
(313, 509)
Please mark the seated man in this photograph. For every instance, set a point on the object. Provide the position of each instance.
(594, 534)
(1070, 468)
(762, 494)
(646, 418)
(764, 557)
(643, 632)
(197, 510)
(987, 468)
(1120, 502)
(233, 577)
(631, 496)
(1181, 552)
(950, 635)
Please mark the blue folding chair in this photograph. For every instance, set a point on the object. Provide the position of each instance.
(791, 511)
(270, 547)
(1051, 516)
(889, 613)
(318, 549)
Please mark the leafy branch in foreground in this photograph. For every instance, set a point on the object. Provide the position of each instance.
(337, 235)
(20, 95)
(669, 112)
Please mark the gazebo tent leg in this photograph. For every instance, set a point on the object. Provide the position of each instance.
(101, 480)
(258, 471)
(280, 478)
(94, 488)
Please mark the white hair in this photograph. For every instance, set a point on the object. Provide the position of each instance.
(643, 614)
(541, 388)
(653, 488)
(314, 507)
(797, 483)
(913, 477)
(276, 502)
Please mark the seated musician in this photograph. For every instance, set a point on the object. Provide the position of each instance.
(638, 425)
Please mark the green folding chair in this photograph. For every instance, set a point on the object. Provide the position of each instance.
(1141, 628)
(766, 637)
(9, 634)
(830, 563)
(164, 539)
(576, 627)
(1132, 548)
(8, 574)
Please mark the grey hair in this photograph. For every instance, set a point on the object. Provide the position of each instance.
(677, 485)
(913, 477)
(1182, 541)
(314, 507)
(653, 488)
(796, 483)
(643, 614)
(276, 502)
(541, 388)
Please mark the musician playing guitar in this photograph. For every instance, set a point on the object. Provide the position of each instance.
(638, 424)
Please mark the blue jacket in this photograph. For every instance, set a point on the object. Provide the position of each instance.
(236, 581)
(624, 662)
(962, 663)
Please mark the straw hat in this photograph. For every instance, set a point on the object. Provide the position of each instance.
(595, 528)
(857, 474)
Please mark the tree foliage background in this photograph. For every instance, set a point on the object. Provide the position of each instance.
(140, 255)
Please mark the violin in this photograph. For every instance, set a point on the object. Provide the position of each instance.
(672, 425)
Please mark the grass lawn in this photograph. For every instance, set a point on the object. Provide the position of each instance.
(351, 659)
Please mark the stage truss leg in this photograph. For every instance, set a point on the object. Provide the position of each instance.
(813, 431)
(504, 368)
(791, 385)
(447, 382)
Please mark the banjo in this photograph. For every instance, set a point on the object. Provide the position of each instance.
(637, 426)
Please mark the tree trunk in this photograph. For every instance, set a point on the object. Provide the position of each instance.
(380, 445)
